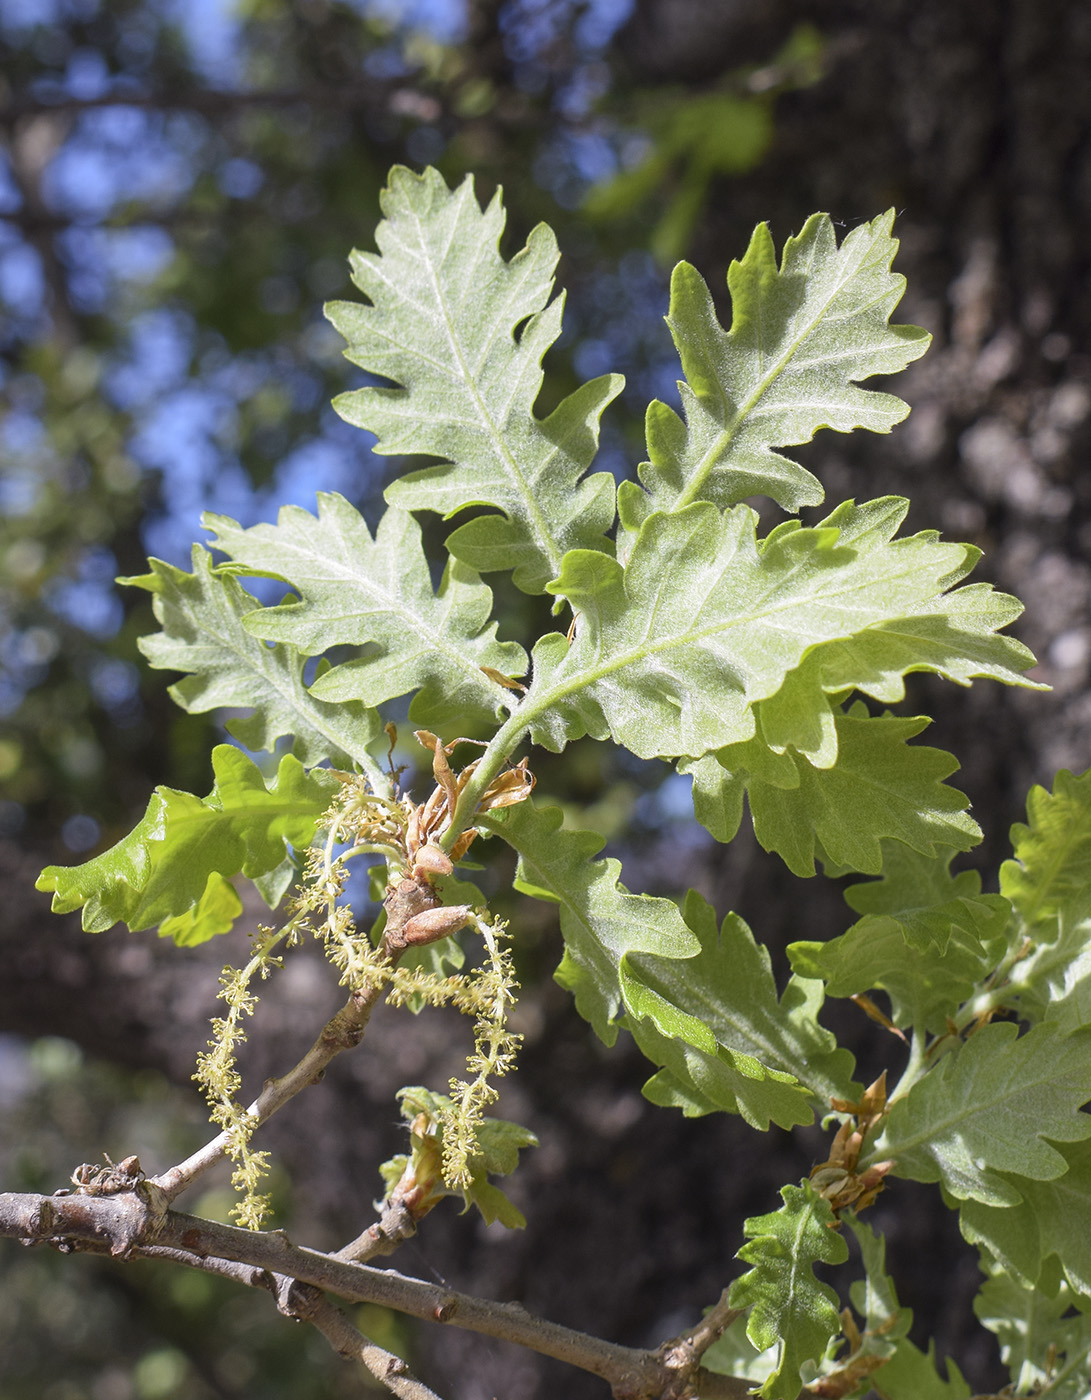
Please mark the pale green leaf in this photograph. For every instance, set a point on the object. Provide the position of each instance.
(600, 920)
(994, 1105)
(910, 1374)
(789, 1307)
(1049, 1222)
(1049, 882)
(925, 986)
(461, 333)
(1052, 980)
(733, 1354)
(802, 335)
(875, 1297)
(926, 901)
(725, 1041)
(1045, 1352)
(671, 653)
(878, 788)
(926, 939)
(357, 591)
(201, 615)
(162, 869)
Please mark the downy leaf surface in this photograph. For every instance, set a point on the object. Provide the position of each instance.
(994, 1105)
(725, 1041)
(879, 790)
(1048, 1223)
(672, 652)
(802, 334)
(460, 333)
(201, 615)
(359, 591)
(789, 1307)
(185, 845)
(1045, 1351)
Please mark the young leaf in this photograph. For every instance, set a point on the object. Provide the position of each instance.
(875, 1297)
(215, 912)
(672, 652)
(600, 920)
(1047, 1223)
(442, 325)
(203, 634)
(355, 590)
(1047, 881)
(166, 865)
(499, 1143)
(802, 335)
(724, 1040)
(880, 787)
(789, 1306)
(989, 1107)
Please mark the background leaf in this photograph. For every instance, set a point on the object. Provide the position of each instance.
(725, 1041)
(1047, 881)
(1045, 1351)
(601, 921)
(461, 333)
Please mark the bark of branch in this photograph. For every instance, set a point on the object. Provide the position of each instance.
(307, 1304)
(136, 1221)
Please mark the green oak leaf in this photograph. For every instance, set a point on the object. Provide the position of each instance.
(925, 986)
(1047, 881)
(725, 1041)
(672, 652)
(789, 1307)
(927, 938)
(911, 1374)
(215, 912)
(1047, 1223)
(1045, 1351)
(461, 333)
(201, 615)
(600, 920)
(880, 787)
(357, 591)
(994, 1105)
(927, 902)
(875, 1297)
(163, 869)
(802, 335)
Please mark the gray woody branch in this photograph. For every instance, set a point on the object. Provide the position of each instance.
(134, 1222)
